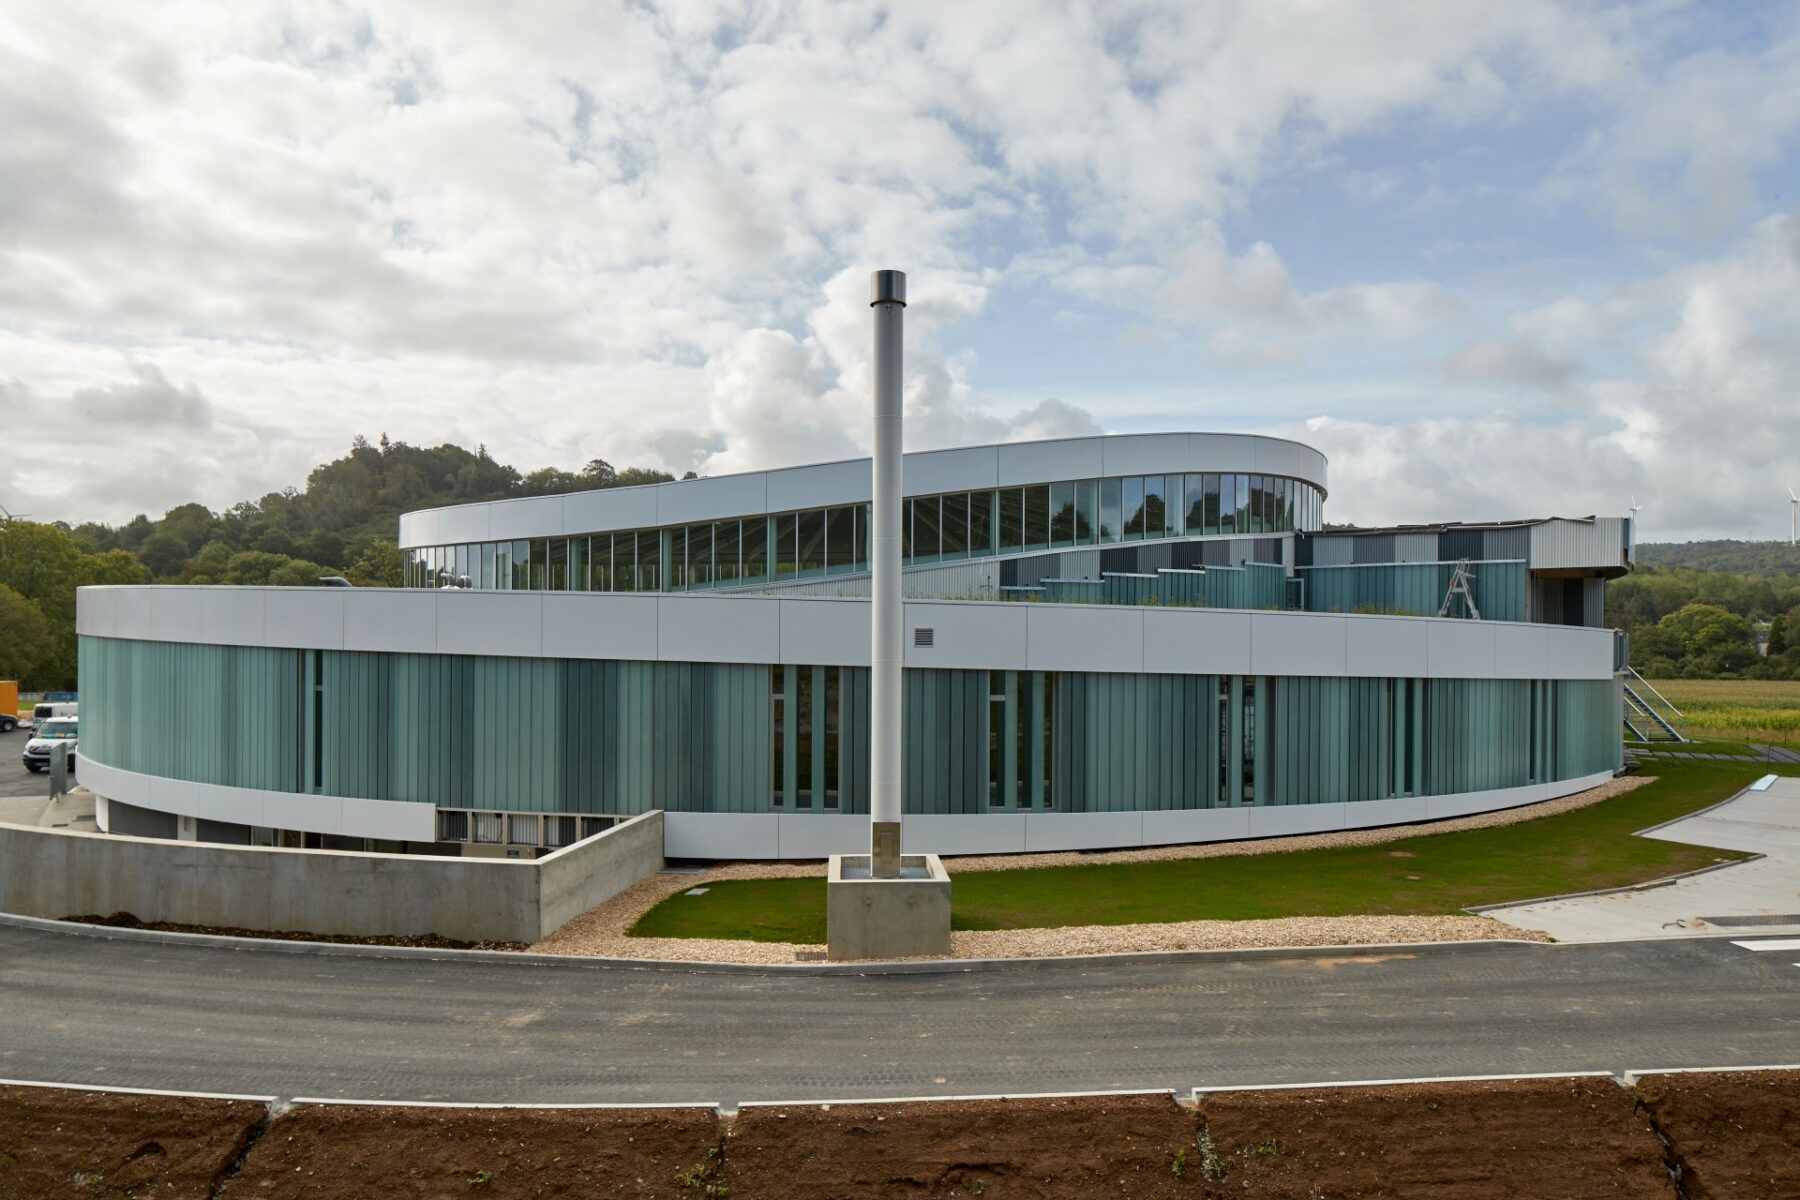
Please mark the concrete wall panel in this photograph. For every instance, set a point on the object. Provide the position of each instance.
(820, 835)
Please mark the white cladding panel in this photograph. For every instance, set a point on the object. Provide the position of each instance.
(468, 523)
(963, 470)
(475, 622)
(539, 516)
(1155, 453)
(705, 500)
(1296, 644)
(816, 487)
(743, 629)
(1085, 637)
(964, 635)
(1204, 642)
(574, 627)
(610, 508)
(1048, 462)
(398, 620)
(1386, 647)
(304, 618)
(824, 632)
(1277, 456)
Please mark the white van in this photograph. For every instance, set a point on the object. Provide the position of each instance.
(49, 712)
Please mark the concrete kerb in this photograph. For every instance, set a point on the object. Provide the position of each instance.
(1646, 886)
(930, 966)
(726, 1109)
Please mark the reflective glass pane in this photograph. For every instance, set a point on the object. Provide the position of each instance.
(840, 539)
(955, 532)
(521, 565)
(1228, 504)
(1133, 507)
(862, 537)
(981, 523)
(1062, 514)
(1087, 513)
(926, 541)
(1012, 520)
(1243, 504)
(1111, 519)
(1037, 517)
(725, 552)
(487, 565)
(1156, 512)
(578, 564)
(1173, 508)
(600, 551)
(756, 549)
(812, 541)
(787, 544)
(700, 555)
(1196, 505)
(649, 560)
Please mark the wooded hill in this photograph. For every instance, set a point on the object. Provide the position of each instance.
(342, 523)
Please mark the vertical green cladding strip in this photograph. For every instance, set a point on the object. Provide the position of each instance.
(1415, 589)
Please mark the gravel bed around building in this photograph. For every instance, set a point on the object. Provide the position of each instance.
(602, 930)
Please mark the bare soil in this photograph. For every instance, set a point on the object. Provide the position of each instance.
(1736, 1133)
(1542, 1139)
(1004, 1150)
(356, 1152)
(125, 920)
(97, 1144)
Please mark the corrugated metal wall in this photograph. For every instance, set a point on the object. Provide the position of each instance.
(1414, 589)
(1595, 544)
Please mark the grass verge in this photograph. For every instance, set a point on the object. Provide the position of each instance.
(1430, 874)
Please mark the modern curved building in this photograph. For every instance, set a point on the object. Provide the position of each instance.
(1110, 641)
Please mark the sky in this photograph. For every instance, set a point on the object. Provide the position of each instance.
(1495, 260)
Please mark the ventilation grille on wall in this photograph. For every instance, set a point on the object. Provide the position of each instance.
(924, 638)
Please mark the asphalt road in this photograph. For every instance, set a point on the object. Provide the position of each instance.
(15, 780)
(125, 1013)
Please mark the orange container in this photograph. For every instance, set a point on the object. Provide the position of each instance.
(9, 696)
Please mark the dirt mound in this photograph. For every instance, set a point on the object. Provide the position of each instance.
(1446, 1141)
(1736, 1133)
(67, 1143)
(1033, 1149)
(356, 1152)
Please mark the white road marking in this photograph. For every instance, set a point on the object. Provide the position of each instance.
(1771, 944)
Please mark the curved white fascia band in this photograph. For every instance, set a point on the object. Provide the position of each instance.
(820, 485)
(391, 820)
(833, 631)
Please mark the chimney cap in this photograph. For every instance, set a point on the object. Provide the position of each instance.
(887, 287)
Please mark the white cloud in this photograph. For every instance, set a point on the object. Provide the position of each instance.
(643, 231)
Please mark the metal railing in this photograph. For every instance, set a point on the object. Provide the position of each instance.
(1658, 720)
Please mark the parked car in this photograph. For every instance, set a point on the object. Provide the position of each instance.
(49, 738)
(46, 712)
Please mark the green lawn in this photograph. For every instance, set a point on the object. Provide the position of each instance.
(1435, 873)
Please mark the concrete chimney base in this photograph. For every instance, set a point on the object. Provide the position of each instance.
(908, 917)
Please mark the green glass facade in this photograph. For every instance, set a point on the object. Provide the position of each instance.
(604, 737)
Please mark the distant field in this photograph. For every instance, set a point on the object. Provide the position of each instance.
(1751, 710)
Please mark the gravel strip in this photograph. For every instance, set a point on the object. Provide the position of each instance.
(601, 931)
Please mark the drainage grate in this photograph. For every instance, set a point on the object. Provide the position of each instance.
(1735, 922)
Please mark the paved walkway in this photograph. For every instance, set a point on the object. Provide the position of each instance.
(128, 1012)
(1748, 898)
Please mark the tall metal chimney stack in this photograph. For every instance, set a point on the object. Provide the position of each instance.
(887, 296)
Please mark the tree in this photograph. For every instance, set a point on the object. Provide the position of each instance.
(378, 565)
(1778, 635)
(27, 641)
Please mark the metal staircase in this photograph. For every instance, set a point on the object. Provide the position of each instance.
(1648, 715)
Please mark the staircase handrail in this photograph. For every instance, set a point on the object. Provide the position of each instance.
(1632, 671)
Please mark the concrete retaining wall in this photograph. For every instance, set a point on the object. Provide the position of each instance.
(59, 873)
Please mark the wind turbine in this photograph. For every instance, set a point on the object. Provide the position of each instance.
(1794, 519)
(1635, 506)
(7, 514)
